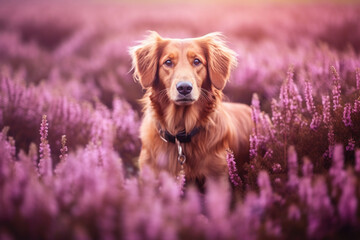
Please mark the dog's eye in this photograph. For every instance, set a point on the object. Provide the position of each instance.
(197, 62)
(168, 63)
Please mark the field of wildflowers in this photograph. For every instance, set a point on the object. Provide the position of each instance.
(69, 120)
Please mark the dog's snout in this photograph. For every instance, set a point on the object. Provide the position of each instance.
(184, 88)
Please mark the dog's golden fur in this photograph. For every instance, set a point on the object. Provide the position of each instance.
(222, 125)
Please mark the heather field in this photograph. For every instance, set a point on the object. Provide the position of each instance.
(70, 117)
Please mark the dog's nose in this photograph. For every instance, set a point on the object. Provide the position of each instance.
(184, 88)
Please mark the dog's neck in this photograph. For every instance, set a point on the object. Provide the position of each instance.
(174, 118)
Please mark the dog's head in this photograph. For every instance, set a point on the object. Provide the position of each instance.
(183, 66)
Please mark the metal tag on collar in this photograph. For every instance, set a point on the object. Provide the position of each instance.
(181, 156)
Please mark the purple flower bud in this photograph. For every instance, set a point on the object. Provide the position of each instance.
(336, 89)
(45, 163)
(276, 167)
(316, 121)
(348, 203)
(351, 145)
(347, 115)
(308, 97)
(326, 109)
(356, 108)
(331, 141)
(269, 154)
(265, 188)
(357, 160)
(307, 168)
(233, 173)
(294, 212)
(254, 142)
(293, 179)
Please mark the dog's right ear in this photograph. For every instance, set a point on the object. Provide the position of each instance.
(145, 59)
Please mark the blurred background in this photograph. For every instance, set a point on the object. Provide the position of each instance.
(61, 41)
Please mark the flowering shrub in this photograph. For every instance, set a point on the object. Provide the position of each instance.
(70, 119)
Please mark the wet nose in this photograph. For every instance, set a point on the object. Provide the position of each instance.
(184, 88)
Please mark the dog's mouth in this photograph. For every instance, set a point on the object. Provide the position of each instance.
(185, 101)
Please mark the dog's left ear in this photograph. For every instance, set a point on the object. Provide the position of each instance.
(221, 60)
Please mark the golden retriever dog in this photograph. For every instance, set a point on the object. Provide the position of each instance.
(186, 123)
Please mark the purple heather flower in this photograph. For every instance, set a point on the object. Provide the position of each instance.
(294, 212)
(347, 115)
(331, 141)
(308, 97)
(293, 179)
(265, 188)
(307, 168)
(269, 154)
(45, 162)
(326, 109)
(348, 203)
(233, 173)
(273, 229)
(286, 96)
(337, 171)
(316, 121)
(356, 108)
(338, 159)
(266, 123)
(254, 142)
(336, 88)
(320, 210)
(277, 118)
(357, 160)
(351, 145)
(277, 181)
(276, 167)
(216, 202)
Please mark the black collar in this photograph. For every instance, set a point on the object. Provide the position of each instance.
(180, 136)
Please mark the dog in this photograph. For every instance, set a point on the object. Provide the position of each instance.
(185, 124)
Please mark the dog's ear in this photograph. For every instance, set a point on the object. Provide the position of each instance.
(221, 60)
(145, 59)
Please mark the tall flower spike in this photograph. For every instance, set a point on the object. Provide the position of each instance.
(326, 109)
(307, 168)
(316, 121)
(277, 118)
(233, 174)
(336, 88)
(331, 141)
(347, 115)
(308, 97)
(293, 179)
(286, 95)
(254, 143)
(45, 163)
(348, 203)
(356, 108)
(266, 194)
